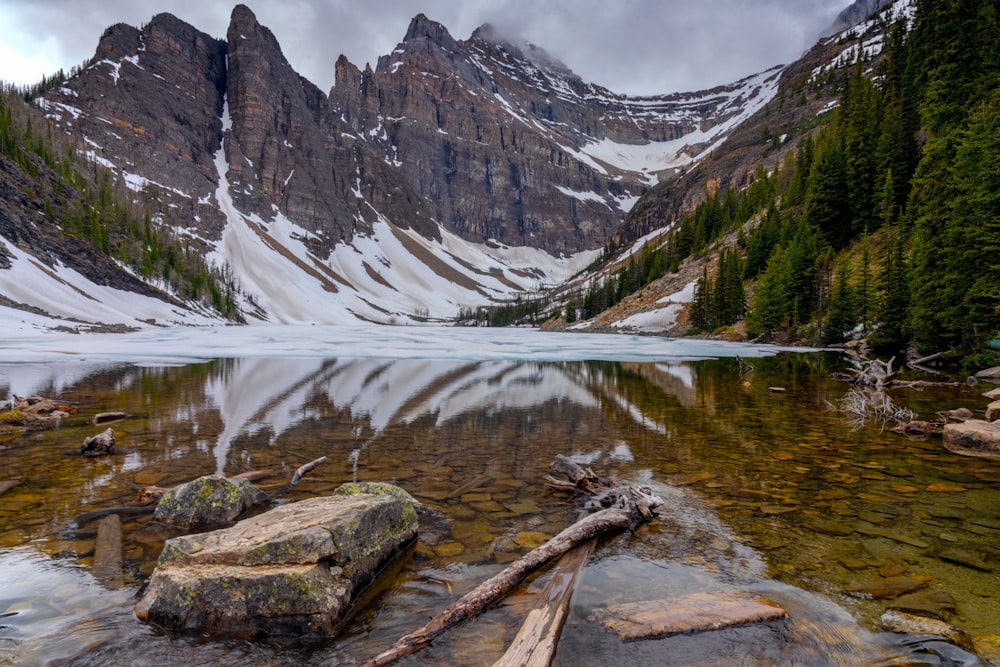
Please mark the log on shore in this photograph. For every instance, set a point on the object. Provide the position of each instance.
(493, 590)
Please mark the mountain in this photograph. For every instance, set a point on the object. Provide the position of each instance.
(456, 173)
(809, 95)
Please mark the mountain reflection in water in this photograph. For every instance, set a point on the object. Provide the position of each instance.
(771, 493)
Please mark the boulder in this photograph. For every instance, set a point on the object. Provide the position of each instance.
(973, 437)
(993, 411)
(990, 374)
(211, 501)
(296, 569)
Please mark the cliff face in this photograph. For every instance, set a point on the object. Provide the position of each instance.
(407, 187)
(491, 139)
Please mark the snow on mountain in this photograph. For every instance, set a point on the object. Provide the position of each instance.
(70, 298)
(456, 174)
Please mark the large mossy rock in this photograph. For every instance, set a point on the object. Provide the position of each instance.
(295, 569)
(211, 501)
(973, 437)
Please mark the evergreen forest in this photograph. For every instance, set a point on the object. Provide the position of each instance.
(883, 222)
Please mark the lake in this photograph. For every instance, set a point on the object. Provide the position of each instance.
(770, 492)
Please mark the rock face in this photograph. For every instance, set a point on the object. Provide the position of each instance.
(974, 437)
(489, 138)
(208, 502)
(295, 569)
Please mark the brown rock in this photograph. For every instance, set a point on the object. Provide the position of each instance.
(993, 411)
(890, 587)
(913, 429)
(938, 604)
(697, 612)
(965, 558)
(973, 438)
(961, 414)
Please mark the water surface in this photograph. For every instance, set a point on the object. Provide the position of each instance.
(768, 492)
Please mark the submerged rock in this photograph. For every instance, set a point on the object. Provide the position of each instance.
(697, 612)
(208, 502)
(889, 587)
(912, 624)
(938, 604)
(295, 569)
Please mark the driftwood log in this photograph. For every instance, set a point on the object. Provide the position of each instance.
(624, 508)
(535, 643)
(105, 417)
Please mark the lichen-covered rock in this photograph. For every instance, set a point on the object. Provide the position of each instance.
(973, 437)
(211, 501)
(295, 569)
(376, 489)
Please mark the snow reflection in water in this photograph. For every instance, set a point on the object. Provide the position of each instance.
(717, 450)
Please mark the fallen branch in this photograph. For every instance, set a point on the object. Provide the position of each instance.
(105, 417)
(499, 586)
(923, 360)
(296, 478)
(625, 507)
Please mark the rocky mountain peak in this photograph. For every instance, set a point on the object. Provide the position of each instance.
(424, 29)
(486, 144)
(117, 42)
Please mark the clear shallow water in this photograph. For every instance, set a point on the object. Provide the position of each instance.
(766, 492)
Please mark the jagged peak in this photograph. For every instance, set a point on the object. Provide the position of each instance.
(243, 17)
(422, 27)
(243, 25)
(119, 40)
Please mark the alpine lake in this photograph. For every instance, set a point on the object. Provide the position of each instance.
(771, 492)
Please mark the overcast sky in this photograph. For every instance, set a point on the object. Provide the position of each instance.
(629, 46)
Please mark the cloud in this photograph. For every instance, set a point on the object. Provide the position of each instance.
(630, 46)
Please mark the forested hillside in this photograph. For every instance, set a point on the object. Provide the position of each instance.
(73, 211)
(884, 222)
(898, 211)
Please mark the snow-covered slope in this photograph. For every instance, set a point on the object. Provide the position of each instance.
(456, 174)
